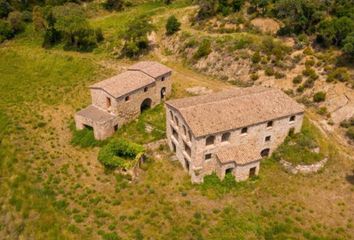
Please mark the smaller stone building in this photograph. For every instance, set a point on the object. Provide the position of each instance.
(120, 99)
(230, 131)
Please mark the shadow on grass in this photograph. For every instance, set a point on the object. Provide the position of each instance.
(85, 138)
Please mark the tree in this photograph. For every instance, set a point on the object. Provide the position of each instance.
(298, 15)
(348, 44)
(5, 8)
(172, 25)
(70, 20)
(16, 22)
(51, 36)
(135, 36)
(334, 31)
(259, 5)
(6, 31)
(207, 8)
(38, 20)
(116, 5)
(326, 33)
(343, 26)
(237, 4)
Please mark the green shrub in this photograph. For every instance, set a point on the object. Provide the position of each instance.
(340, 74)
(203, 50)
(322, 111)
(276, 48)
(308, 51)
(350, 132)
(297, 79)
(309, 63)
(256, 57)
(309, 83)
(347, 123)
(119, 153)
(254, 76)
(279, 75)
(269, 71)
(190, 43)
(319, 97)
(310, 72)
(300, 89)
(172, 25)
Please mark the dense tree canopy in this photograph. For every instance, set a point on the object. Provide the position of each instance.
(135, 36)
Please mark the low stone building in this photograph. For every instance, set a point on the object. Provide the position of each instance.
(123, 97)
(230, 131)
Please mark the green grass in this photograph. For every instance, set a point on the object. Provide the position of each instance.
(85, 138)
(114, 25)
(137, 130)
(53, 190)
(213, 187)
(298, 148)
(40, 75)
(4, 124)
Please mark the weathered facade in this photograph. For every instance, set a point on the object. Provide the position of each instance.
(230, 131)
(120, 99)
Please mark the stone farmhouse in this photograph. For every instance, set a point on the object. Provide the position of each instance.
(230, 131)
(123, 97)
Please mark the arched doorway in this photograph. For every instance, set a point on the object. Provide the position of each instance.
(229, 171)
(146, 104)
(163, 93)
(265, 152)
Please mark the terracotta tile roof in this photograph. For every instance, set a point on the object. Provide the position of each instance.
(233, 109)
(95, 114)
(242, 154)
(124, 83)
(153, 69)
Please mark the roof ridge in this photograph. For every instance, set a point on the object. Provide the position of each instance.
(228, 98)
(139, 70)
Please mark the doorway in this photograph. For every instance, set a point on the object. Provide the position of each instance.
(229, 171)
(145, 105)
(252, 172)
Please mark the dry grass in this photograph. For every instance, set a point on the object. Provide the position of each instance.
(53, 190)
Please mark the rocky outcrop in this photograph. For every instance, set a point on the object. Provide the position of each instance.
(303, 168)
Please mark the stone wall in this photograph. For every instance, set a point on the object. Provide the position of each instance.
(101, 130)
(303, 168)
(255, 138)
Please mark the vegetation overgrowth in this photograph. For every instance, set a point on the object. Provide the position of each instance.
(300, 148)
(53, 190)
(119, 153)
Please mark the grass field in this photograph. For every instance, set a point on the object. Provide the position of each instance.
(51, 189)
